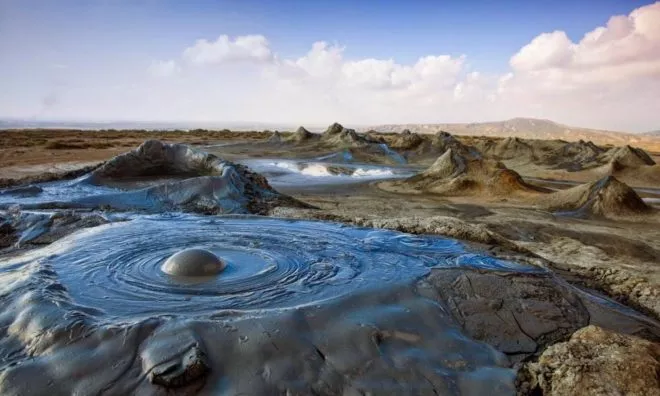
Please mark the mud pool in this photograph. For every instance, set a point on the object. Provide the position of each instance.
(271, 263)
(323, 171)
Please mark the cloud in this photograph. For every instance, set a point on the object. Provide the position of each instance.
(607, 79)
(163, 68)
(627, 47)
(243, 48)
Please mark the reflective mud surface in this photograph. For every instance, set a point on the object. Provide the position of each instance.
(53, 191)
(271, 263)
(282, 172)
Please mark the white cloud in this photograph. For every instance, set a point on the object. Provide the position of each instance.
(163, 68)
(224, 49)
(628, 46)
(545, 51)
(608, 79)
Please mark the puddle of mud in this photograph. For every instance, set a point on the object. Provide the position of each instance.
(271, 263)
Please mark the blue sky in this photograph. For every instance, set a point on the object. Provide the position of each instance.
(55, 50)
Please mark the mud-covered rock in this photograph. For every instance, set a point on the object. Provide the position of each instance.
(20, 229)
(517, 313)
(594, 362)
(23, 191)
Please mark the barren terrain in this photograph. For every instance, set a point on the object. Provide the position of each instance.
(587, 214)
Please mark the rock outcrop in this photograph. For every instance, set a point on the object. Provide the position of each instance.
(594, 362)
(605, 197)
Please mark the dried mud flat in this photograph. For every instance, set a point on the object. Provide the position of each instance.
(507, 288)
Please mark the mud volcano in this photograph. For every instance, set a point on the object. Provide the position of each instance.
(158, 177)
(463, 173)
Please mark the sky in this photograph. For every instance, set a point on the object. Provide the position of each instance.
(593, 63)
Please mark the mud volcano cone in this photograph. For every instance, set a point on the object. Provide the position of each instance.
(302, 135)
(276, 137)
(605, 197)
(462, 172)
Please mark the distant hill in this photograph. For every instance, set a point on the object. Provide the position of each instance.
(528, 128)
(652, 133)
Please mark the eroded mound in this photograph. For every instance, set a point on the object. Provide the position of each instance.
(605, 197)
(508, 148)
(407, 141)
(420, 147)
(275, 138)
(629, 157)
(337, 135)
(302, 135)
(465, 173)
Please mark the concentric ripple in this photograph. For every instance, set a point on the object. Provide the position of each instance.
(271, 263)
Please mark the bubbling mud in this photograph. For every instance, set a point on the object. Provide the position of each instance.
(270, 263)
(193, 263)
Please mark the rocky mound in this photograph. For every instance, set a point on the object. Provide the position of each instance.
(443, 141)
(605, 197)
(576, 156)
(594, 362)
(337, 135)
(508, 148)
(205, 184)
(416, 146)
(628, 157)
(456, 173)
(302, 135)
(407, 141)
(275, 138)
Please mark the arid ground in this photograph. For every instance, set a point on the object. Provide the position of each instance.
(588, 214)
